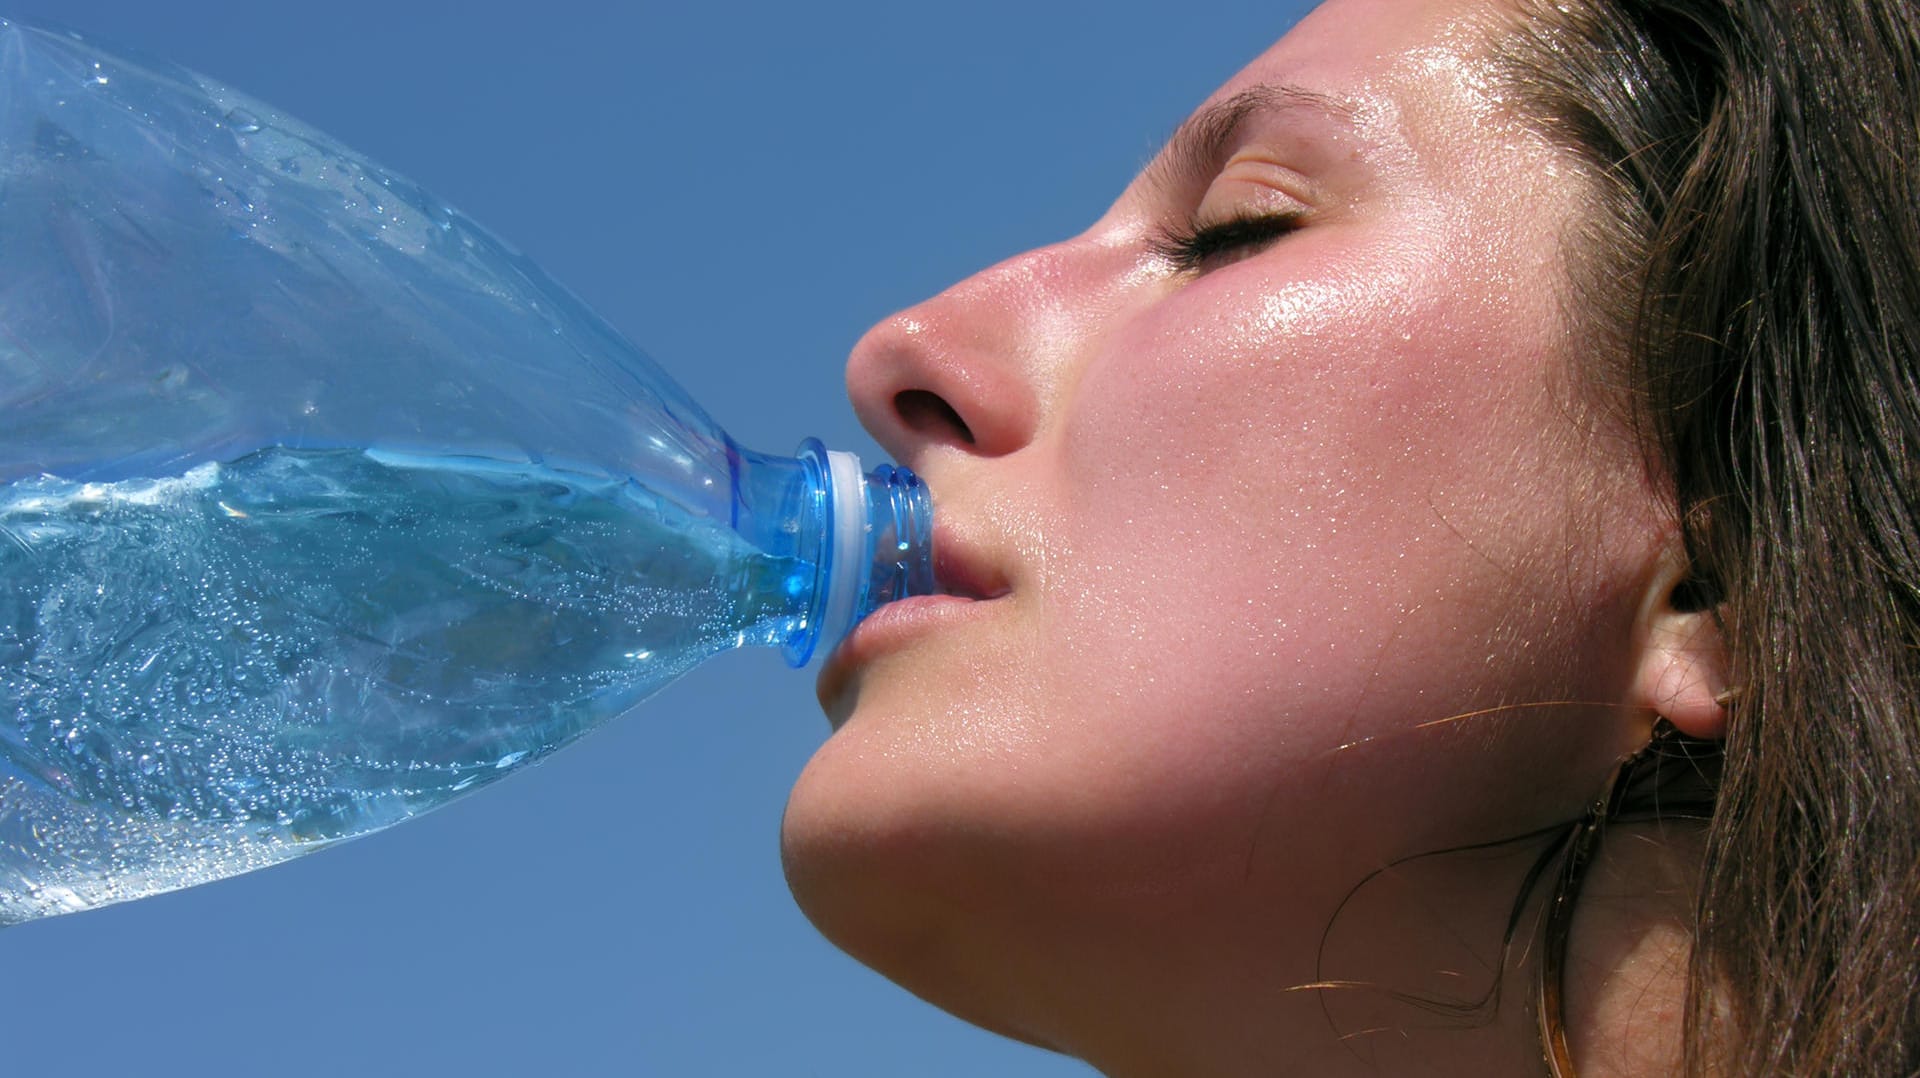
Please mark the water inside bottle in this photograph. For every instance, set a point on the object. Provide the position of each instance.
(209, 672)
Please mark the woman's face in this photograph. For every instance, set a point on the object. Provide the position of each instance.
(1268, 536)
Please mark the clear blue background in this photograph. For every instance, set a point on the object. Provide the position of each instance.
(742, 189)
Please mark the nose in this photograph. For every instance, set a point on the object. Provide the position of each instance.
(971, 370)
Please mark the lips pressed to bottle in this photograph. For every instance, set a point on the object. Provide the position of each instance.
(321, 506)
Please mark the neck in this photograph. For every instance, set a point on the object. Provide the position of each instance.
(1629, 951)
(1413, 978)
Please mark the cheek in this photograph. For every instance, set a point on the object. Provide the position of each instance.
(1313, 515)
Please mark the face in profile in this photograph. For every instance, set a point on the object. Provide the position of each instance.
(1290, 537)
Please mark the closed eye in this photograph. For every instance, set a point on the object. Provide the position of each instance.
(1197, 248)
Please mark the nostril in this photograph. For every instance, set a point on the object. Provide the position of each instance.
(928, 413)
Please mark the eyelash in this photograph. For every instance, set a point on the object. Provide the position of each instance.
(1191, 246)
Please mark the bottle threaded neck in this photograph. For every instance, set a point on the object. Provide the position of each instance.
(900, 520)
(877, 545)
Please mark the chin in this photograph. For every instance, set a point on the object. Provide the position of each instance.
(877, 878)
(982, 880)
(884, 904)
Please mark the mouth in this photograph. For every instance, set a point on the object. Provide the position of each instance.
(966, 578)
(964, 572)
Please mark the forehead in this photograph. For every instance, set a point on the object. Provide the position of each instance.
(1408, 92)
(1365, 49)
(1413, 75)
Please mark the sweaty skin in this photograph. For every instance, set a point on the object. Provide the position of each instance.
(1284, 557)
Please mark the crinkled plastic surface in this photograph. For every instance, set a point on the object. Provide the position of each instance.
(187, 274)
(320, 506)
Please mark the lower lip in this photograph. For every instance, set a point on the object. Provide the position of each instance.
(893, 625)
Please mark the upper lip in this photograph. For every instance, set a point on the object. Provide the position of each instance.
(960, 568)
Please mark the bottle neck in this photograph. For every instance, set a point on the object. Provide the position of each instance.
(867, 538)
(899, 529)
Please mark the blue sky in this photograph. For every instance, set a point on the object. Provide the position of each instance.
(741, 189)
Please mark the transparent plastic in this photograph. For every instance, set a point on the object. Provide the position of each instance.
(320, 505)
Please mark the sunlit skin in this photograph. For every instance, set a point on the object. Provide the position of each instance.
(1281, 561)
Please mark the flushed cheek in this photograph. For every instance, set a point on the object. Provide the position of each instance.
(1277, 528)
(1215, 639)
(1241, 364)
(1201, 674)
(1357, 365)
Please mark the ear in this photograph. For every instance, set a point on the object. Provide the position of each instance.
(1682, 673)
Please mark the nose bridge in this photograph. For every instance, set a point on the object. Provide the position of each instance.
(1031, 312)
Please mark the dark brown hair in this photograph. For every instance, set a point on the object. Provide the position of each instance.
(1756, 258)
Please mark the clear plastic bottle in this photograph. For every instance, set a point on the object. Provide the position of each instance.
(321, 506)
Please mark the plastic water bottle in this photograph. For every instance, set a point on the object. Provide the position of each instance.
(321, 506)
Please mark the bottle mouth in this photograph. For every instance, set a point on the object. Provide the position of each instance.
(878, 545)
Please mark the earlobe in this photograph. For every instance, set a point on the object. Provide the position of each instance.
(1683, 669)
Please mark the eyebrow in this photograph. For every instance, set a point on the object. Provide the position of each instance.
(1193, 153)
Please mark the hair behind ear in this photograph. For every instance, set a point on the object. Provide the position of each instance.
(1762, 161)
